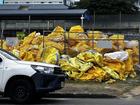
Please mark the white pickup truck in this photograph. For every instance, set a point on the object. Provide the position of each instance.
(24, 81)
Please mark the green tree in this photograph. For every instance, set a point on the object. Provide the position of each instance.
(109, 6)
(83, 4)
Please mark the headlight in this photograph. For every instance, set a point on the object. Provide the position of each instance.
(43, 69)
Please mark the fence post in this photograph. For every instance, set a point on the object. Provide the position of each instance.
(29, 22)
(82, 20)
(2, 31)
(139, 51)
(94, 18)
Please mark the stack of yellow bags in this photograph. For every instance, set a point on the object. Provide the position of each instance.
(87, 61)
(93, 66)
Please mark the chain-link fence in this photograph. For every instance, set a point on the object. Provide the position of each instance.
(126, 23)
(72, 43)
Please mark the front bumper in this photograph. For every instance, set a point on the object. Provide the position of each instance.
(48, 82)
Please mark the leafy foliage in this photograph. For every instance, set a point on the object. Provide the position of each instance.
(109, 6)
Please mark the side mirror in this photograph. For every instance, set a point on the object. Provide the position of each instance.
(0, 60)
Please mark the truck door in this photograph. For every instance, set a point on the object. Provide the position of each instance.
(1, 70)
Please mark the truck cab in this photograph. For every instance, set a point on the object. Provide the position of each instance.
(24, 81)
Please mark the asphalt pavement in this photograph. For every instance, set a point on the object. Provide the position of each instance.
(81, 101)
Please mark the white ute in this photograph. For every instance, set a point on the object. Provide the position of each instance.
(24, 81)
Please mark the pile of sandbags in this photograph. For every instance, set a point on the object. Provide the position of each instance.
(92, 65)
(78, 53)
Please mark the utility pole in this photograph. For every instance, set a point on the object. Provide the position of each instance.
(82, 20)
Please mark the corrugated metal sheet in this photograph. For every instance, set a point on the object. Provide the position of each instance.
(43, 12)
(33, 1)
(33, 6)
(39, 11)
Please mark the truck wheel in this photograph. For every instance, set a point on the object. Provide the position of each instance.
(22, 91)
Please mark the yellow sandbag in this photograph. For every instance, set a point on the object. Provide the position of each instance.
(66, 65)
(16, 52)
(81, 47)
(86, 77)
(59, 46)
(22, 54)
(117, 36)
(95, 73)
(130, 65)
(28, 39)
(74, 67)
(25, 47)
(95, 35)
(39, 56)
(37, 40)
(73, 74)
(76, 36)
(99, 74)
(118, 42)
(118, 67)
(84, 66)
(96, 58)
(58, 29)
(51, 55)
(29, 56)
(5, 46)
(82, 38)
(76, 29)
(80, 65)
(56, 35)
(115, 61)
(75, 64)
(134, 52)
(111, 72)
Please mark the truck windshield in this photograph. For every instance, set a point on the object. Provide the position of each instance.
(8, 55)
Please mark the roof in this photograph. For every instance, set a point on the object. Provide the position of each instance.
(32, 1)
(40, 11)
(33, 6)
(43, 12)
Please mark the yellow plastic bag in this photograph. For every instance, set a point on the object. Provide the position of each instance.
(88, 56)
(51, 55)
(76, 29)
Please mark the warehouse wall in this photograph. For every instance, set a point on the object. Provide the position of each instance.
(108, 23)
(115, 21)
(122, 22)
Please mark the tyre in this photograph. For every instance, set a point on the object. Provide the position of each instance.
(21, 91)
